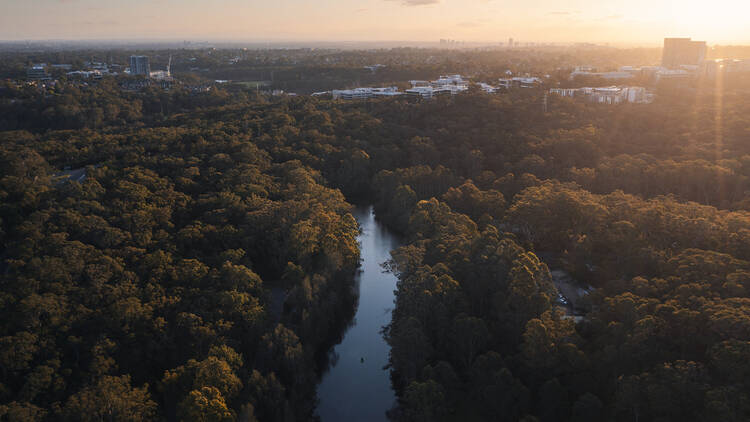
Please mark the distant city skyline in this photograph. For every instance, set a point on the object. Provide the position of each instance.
(618, 21)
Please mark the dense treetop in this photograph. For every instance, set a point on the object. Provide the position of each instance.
(202, 264)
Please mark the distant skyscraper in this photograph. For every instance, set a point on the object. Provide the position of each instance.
(683, 51)
(139, 65)
(510, 42)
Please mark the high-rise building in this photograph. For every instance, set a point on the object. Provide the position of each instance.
(139, 65)
(510, 42)
(683, 51)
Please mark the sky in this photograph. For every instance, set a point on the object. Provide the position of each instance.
(643, 22)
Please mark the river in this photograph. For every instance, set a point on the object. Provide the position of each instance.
(357, 387)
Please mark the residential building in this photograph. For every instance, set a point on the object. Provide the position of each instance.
(449, 89)
(444, 85)
(674, 74)
(488, 88)
(139, 65)
(565, 92)
(375, 67)
(616, 75)
(520, 82)
(714, 68)
(425, 92)
(607, 95)
(505, 83)
(102, 67)
(365, 93)
(85, 74)
(449, 80)
(683, 51)
(626, 72)
(115, 68)
(428, 92)
(163, 75)
(38, 72)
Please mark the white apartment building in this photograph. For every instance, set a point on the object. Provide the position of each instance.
(428, 92)
(375, 67)
(365, 93)
(608, 95)
(444, 85)
(38, 72)
(450, 80)
(488, 88)
(520, 82)
(564, 92)
(450, 89)
(421, 91)
(527, 82)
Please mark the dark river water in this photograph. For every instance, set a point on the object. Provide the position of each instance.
(357, 388)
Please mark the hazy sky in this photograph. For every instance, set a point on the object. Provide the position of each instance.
(637, 21)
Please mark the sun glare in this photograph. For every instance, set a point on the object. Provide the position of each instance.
(719, 20)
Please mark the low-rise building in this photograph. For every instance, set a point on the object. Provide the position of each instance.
(625, 72)
(505, 83)
(102, 67)
(520, 82)
(564, 92)
(116, 68)
(85, 74)
(444, 85)
(488, 88)
(428, 92)
(607, 95)
(160, 75)
(672, 74)
(375, 67)
(365, 93)
(449, 80)
(714, 68)
(527, 82)
(617, 75)
(421, 91)
(38, 72)
(450, 89)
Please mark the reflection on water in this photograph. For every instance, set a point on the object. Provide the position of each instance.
(357, 387)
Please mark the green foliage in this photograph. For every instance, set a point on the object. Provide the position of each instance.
(110, 398)
(205, 405)
(145, 290)
(150, 277)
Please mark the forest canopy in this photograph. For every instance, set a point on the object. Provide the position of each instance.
(176, 257)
